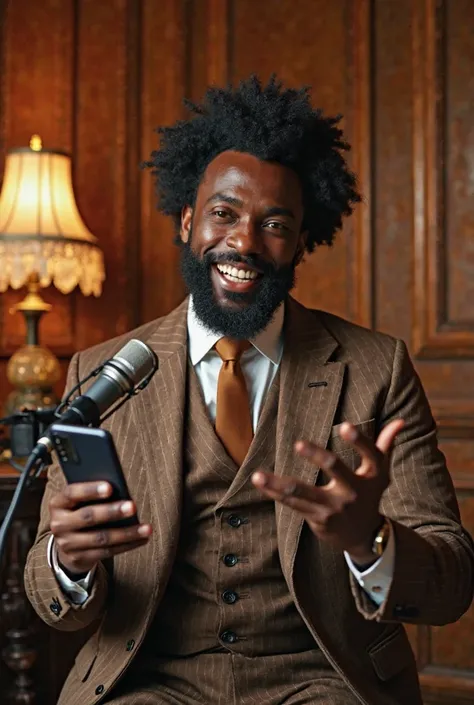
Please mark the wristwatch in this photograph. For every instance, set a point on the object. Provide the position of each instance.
(381, 538)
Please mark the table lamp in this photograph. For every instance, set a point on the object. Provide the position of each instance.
(43, 241)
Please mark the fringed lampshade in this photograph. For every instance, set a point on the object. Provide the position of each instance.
(43, 241)
(41, 230)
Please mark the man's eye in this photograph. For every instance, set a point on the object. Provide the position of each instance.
(275, 225)
(220, 213)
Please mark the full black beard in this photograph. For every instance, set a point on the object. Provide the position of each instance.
(247, 321)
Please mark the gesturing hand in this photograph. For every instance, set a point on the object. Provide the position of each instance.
(344, 512)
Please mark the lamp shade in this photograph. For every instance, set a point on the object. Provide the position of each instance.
(41, 230)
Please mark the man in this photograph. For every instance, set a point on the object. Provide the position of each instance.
(295, 509)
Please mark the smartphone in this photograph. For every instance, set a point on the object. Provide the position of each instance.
(89, 455)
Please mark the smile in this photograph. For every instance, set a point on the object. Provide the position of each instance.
(234, 274)
(235, 277)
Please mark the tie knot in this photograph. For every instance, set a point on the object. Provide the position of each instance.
(229, 349)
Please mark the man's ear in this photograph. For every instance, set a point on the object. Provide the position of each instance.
(186, 222)
(301, 247)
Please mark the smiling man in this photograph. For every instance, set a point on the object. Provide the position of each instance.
(295, 509)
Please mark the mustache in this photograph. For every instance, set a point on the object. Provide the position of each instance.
(233, 257)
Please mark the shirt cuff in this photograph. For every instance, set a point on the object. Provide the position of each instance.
(377, 579)
(77, 592)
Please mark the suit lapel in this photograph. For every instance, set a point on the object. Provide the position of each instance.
(304, 412)
(159, 419)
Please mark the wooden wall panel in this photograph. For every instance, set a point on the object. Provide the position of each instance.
(458, 50)
(443, 148)
(392, 166)
(100, 150)
(164, 61)
(443, 323)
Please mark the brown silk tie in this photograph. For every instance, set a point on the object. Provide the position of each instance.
(233, 419)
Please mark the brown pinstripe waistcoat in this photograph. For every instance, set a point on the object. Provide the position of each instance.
(363, 377)
(245, 598)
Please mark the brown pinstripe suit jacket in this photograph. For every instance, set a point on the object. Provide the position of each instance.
(366, 378)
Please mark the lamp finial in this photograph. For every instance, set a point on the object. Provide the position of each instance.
(36, 143)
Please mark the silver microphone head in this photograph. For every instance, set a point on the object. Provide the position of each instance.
(132, 364)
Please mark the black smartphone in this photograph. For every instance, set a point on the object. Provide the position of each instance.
(89, 455)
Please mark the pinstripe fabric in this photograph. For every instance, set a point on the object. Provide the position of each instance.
(234, 679)
(193, 613)
(364, 377)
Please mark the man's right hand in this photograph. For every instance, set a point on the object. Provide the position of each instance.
(81, 539)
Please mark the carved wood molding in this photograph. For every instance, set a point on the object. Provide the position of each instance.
(219, 41)
(448, 687)
(362, 146)
(434, 334)
(454, 417)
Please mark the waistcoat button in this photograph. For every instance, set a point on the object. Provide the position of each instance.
(229, 597)
(99, 689)
(234, 521)
(230, 559)
(130, 644)
(229, 637)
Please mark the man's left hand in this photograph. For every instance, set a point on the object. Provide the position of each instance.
(345, 512)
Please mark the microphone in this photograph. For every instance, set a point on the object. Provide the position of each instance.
(126, 373)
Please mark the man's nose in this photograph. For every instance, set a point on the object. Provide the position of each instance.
(246, 239)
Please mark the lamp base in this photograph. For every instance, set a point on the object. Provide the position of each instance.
(33, 370)
(30, 398)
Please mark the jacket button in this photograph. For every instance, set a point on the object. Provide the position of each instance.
(406, 611)
(130, 644)
(99, 689)
(55, 607)
(229, 637)
(230, 559)
(234, 521)
(229, 597)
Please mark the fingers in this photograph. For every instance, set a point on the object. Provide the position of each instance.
(80, 551)
(80, 492)
(388, 434)
(373, 454)
(329, 462)
(83, 561)
(288, 490)
(66, 520)
(100, 538)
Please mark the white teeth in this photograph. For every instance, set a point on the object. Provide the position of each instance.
(235, 274)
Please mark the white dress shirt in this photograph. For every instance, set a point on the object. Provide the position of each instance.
(259, 365)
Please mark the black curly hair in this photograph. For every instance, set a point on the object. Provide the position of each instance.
(273, 124)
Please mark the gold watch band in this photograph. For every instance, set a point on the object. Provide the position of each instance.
(381, 538)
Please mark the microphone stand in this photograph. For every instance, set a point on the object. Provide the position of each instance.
(40, 457)
(20, 487)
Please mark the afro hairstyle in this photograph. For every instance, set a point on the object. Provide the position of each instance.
(272, 123)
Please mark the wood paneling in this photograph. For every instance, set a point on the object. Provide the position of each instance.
(96, 79)
(164, 63)
(443, 180)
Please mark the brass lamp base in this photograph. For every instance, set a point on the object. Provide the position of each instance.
(33, 369)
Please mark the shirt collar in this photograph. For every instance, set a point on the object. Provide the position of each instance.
(269, 342)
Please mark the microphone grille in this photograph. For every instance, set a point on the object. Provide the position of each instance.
(137, 360)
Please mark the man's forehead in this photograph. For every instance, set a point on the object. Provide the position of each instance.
(231, 173)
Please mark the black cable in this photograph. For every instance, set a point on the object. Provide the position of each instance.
(21, 485)
(15, 466)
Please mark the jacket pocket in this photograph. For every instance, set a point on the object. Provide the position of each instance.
(338, 445)
(391, 653)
